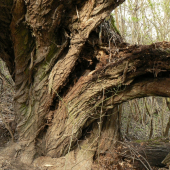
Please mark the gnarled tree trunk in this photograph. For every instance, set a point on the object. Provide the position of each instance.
(70, 78)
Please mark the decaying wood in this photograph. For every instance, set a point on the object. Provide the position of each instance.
(88, 91)
(63, 110)
(145, 155)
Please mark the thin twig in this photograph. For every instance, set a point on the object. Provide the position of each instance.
(136, 154)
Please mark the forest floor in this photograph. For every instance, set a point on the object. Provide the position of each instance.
(127, 154)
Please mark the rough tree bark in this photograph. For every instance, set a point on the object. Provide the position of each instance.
(68, 84)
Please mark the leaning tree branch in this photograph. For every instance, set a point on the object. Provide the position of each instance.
(147, 71)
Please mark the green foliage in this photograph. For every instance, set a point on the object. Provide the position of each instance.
(135, 19)
(150, 4)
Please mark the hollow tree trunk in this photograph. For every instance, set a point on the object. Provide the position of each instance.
(63, 109)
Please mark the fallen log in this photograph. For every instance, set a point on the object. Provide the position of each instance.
(144, 155)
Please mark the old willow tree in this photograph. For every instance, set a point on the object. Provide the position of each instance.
(71, 70)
